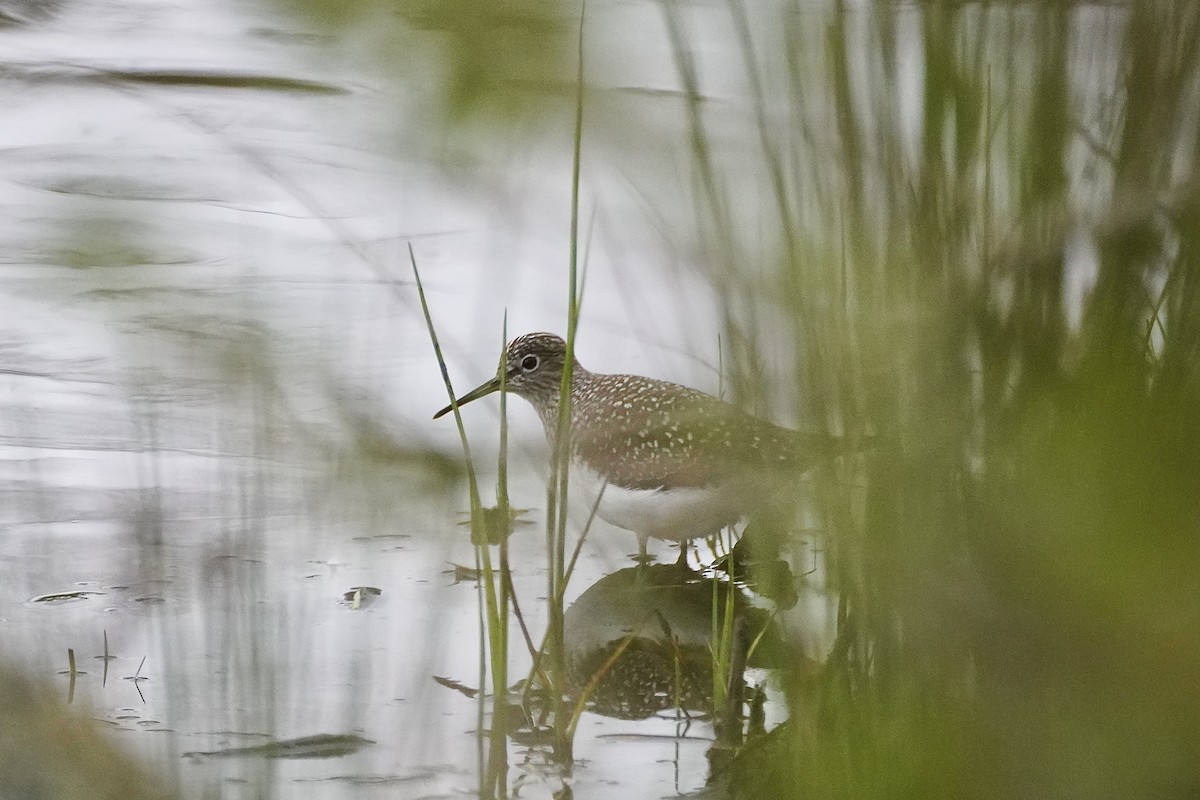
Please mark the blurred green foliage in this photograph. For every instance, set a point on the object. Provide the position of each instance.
(46, 751)
(1020, 600)
(484, 60)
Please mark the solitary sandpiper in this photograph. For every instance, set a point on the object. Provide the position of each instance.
(674, 463)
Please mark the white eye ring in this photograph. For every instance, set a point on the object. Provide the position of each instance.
(529, 363)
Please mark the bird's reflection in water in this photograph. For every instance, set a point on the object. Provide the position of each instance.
(641, 641)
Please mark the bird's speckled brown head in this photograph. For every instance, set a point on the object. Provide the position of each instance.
(534, 364)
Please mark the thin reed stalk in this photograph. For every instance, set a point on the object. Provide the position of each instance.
(556, 499)
(492, 755)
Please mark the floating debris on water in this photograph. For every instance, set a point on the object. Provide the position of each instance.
(450, 683)
(359, 596)
(322, 745)
(63, 597)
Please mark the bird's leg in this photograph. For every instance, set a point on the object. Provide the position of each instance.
(683, 554)
(642, 558)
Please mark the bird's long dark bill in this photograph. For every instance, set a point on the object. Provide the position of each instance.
(479, 391)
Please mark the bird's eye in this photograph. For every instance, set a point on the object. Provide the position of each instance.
(529, 363)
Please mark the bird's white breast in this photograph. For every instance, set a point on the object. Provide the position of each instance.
(671, 514)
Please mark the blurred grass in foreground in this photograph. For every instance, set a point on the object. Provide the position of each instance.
(1000, 282)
